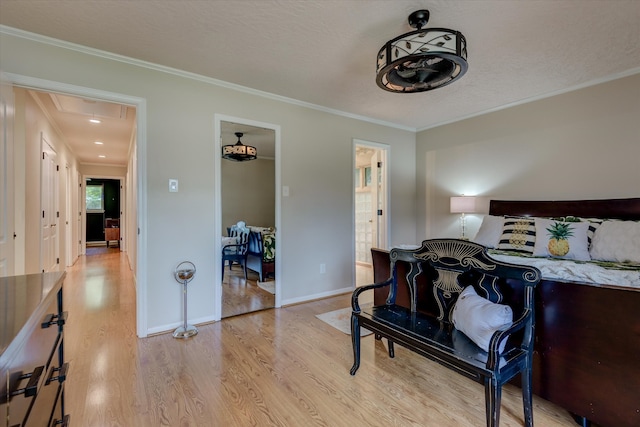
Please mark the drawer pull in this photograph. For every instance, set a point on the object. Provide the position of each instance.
(64, 422)
(62, 373)
(32, 385)
(54, 319)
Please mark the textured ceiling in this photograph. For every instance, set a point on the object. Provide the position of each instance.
(323, 52)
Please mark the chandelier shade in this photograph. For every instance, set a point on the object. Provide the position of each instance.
(239, 152)
(421, 60)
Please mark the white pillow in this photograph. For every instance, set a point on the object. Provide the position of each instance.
(617, 241)
(478, 318)
(575, 246)
(490, 231)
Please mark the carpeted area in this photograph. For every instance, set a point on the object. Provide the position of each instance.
(269, 286)
(341, 320)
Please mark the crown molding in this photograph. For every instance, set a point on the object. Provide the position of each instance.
(186, 74)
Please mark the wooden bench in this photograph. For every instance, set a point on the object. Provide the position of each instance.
(437, 273)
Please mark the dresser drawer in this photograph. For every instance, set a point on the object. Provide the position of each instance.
(44, 402)
(29, 369)
(31, 348)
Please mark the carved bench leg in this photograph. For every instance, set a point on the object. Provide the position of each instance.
(492, 396)
(355, 341)
(527, 398)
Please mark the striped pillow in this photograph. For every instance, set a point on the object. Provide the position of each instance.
(518, 235)
(594, 223)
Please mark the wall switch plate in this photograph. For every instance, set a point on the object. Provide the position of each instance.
(285, 191)
(323, 268)
(173, 186)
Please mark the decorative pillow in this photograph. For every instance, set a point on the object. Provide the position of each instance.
(518, 234)
(617, 241)
(269, 247)
(490, 231)
(594, 223)
(479, 318)
(558, 239)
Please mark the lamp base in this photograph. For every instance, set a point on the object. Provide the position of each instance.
(187, 332)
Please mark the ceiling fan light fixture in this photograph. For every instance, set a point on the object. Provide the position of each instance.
(239, 152)
(421, 60)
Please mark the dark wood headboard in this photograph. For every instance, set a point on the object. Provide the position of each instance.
(627, 209)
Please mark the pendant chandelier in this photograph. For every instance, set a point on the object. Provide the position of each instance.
(239, 152)
(421, 60)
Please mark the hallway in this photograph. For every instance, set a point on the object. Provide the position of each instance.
(277, 367)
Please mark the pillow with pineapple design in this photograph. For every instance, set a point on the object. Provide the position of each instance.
(518, 235)
(560, 239)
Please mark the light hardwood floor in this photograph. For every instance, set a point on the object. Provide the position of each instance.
(240, 296)
(280, 367)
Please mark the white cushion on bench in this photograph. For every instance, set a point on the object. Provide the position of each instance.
(478, 318)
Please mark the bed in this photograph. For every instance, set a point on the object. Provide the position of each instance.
(587, 335)
(587, 339)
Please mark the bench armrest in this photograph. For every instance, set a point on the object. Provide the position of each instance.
(504, 333)
(354, 297)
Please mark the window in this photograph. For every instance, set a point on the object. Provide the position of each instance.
(367, 176)
(95, 198)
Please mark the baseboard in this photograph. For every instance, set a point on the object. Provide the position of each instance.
(321, 295)
(163, 329)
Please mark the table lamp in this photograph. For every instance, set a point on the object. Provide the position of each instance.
(463, 205)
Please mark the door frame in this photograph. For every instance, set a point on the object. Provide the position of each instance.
(217, 201)
(7, 179)
(385, 224)
(141, 167)
(123, 208)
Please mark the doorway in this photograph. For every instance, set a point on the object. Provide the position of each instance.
(247, 195)
(137, 183)
(370, 206)
(103, 212)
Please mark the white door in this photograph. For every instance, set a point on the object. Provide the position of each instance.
(68, 221)
(378, 213)
(370, 200)
(49, 257)
(7, 250)
(81, 204)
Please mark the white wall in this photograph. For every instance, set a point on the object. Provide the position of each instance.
(317, 217)
(248, 193)
(579, 145)
(30, 124)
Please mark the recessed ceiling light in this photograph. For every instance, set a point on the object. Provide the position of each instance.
(94, 121)
(102, 156)
(99, 143)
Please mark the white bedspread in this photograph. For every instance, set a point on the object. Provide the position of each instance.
(576, 272)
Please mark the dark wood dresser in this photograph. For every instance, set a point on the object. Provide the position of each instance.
(32, 366)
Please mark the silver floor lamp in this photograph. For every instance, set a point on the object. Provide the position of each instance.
(184, 273)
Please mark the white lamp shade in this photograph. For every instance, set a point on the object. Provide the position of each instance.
(464, 204)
